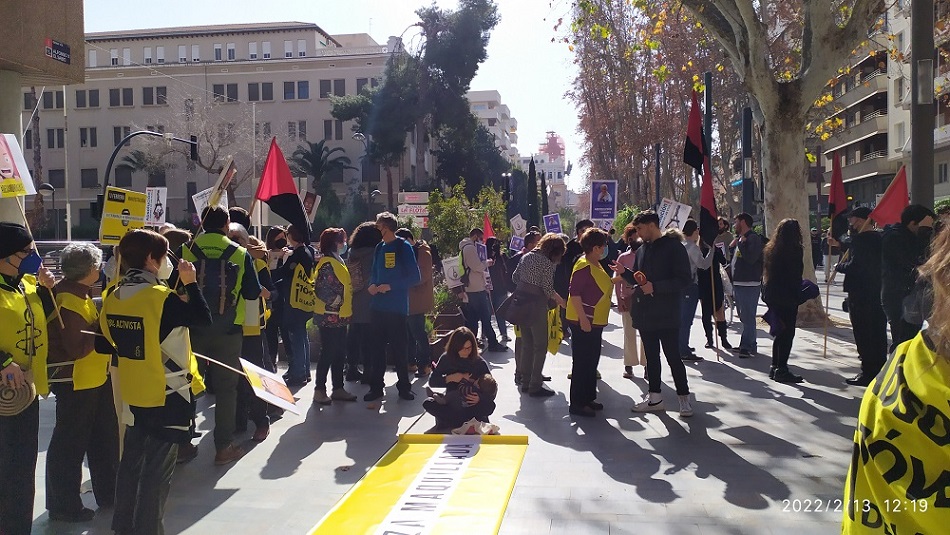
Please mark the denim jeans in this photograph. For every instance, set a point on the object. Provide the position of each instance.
(687, 313)
(480, 311)
(299, 368)
(747, 299)
(419, 352)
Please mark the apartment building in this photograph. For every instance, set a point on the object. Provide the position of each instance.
(551, 160)
(235, 86)
(496, 117)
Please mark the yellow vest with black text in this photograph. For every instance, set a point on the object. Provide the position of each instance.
(343, 275)
(302, 292)
(23, 330)
(91, 370)
(132, 327)
(602, 307)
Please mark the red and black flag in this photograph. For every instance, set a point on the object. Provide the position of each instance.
(278, 189)
(837, 199)
(694, 155)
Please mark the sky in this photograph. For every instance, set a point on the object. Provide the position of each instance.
(531, 73)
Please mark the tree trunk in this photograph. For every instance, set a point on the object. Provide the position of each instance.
(36, 218)
(420, 151)
(389, 188)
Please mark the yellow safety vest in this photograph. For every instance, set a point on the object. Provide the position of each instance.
(343, 274)
(256, 311)
(302, 293)
(602, 307)
(132, 326)
(91, 370)
(897, 482)
(23, 334)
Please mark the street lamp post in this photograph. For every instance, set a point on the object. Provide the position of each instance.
(45, 188)
(370, 199)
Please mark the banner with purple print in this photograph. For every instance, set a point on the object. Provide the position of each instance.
(603, 199)
(552, 223)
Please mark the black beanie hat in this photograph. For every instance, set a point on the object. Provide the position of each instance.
(14, 237)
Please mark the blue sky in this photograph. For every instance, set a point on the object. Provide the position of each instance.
(531, 73)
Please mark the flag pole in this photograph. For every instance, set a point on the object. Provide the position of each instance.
(712, 285)
(824, 351)
(26, 223)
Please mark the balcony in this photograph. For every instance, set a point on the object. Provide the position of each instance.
(871, 164)
(869, 85)
(872, 124)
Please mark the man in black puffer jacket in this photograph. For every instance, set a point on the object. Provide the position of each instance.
(656, 306)
(904, 247)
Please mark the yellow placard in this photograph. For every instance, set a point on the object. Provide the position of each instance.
(432, 484)
(15, 179)
(123, 210)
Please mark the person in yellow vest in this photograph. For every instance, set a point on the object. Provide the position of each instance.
(146, 325)
(897, 482)
(86, 424)
(227, 280)
(294, 280)
(588, 307)
(334, 307)
(23, 349)
(250, 406)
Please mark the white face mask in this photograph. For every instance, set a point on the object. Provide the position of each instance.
(165, 269)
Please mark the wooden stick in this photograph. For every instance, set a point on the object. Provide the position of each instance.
(712, 281)
(26, 223)
(199, 355)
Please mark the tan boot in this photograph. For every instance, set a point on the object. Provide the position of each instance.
(320, 396)
(228, 455)
(340, 394)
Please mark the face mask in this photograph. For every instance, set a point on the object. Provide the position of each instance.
(165, 270)
(280, 244)
(30, 265)
(343, 248)
(603, 254)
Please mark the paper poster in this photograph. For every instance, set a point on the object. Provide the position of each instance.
(123, 211)
(519, 226)
(224, 180)
(155, 202)
(15, 178)
(452, 269)
(552, 223)
(605, 224)
(673, 214)
(482, 252)
(311, 201)
(516, 244)
(270, 387)
(603, 199)
(201, 201)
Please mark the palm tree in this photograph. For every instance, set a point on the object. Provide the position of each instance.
(318, 161)
(140, 160)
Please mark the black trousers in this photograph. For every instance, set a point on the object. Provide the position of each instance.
(332, 356)
(359, 346)
(249, 406)
(145, 476)
(869, 324)
(669, 338)
(585, 352)
(274, 331)
(782, 345)
(452, 415)
(19, 444)
(389, 329)
(86, 426)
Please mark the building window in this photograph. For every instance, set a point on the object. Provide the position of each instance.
(324, 88)
(28, 140)
(92, 58)
(93, 98)
(88, 137)
(123, 176)
(57, 178)
(114, 56)
(232, 55)
(292, 130)
(160, 128)
(262, 129)
(942, 173)
(265, 48)
(302, 130)
(160, 54)
(126, 96)
(148, 96)
(161, 95)
(360, 84)
(119, 132)
(225, 133)
(231, 90)
(327, 130)
(195, 53)
(114, 95)
(253, 92)
(252, 50)
(89, 178)
(289, 90)
(156, 179)
(126, 56)
(303, 90)
(189, 108)
(218, 91)
(80, 98)
(302, 48)
(288, 49)
(339, 88)
(217, 51)
(225, 92)
(147, 54)
(181, 54)
(52, 100)
(55, 138)
(28, 102)
(267, 91)
(338, 130)
(260, 91)
(374, 82)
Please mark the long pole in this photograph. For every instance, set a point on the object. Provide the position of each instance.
(656, 170)
(69, 215)
(922, 108)
(824, 351)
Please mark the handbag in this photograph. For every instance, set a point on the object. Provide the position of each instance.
(517, 308)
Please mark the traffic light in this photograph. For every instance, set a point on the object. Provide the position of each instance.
(194, 148)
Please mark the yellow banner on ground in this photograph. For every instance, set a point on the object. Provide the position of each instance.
(434, 484)
(122, 211)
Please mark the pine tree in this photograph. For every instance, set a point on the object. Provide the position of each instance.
(532, 215)
(544, 195)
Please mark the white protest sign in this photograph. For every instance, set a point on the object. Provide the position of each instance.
(673, 214)
(155, 203)
(15, 178)
(519, 226)
(270, 387)
(202, 197)
(452, 269)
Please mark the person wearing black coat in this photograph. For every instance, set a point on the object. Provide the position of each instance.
(862, 282)
(655, 311)
(781, 291)
(904, 247)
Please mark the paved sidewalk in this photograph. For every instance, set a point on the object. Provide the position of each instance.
(755, 455)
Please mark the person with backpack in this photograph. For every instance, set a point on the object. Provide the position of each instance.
(226, 275)
(295, 282)
(479, 307)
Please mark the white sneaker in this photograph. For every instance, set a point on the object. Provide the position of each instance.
(686, 410)
(649, 406)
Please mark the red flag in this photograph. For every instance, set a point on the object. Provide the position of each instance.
(895, 199)
(279, 190)
(694, 155)
(837, 199)
(489, 233)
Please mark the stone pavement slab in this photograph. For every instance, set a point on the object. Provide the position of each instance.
(754, 459)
